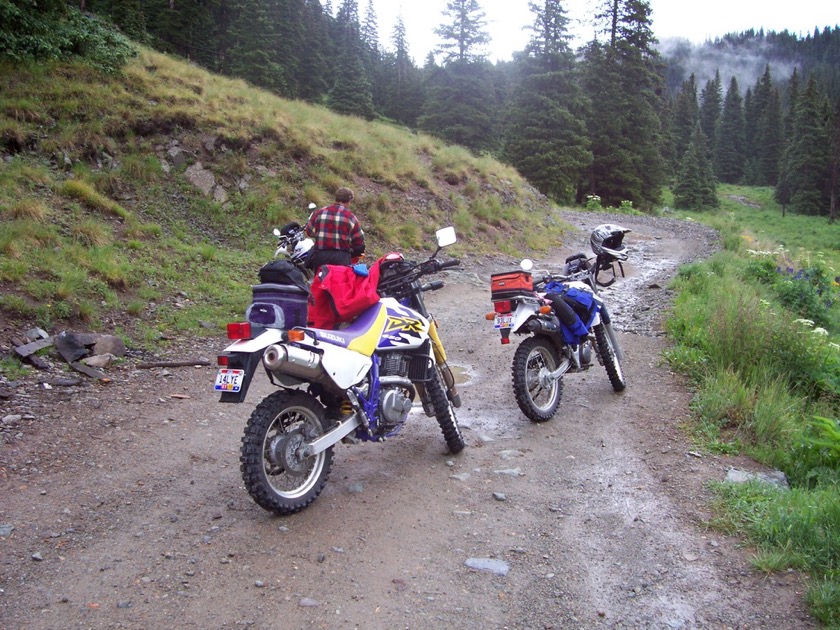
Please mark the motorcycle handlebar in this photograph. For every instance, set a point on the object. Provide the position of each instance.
(432, 286)
(449, 263)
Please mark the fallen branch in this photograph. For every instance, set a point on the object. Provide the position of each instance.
(146, 366)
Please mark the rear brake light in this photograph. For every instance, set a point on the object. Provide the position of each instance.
(222, 360)
(502, 306)
(239, 330)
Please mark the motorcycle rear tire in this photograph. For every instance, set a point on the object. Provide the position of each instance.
(537, 402)
(609, 357)
(277, 429)
(444, 412)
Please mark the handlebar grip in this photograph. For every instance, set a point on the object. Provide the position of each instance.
(434, 285)
(449, 263)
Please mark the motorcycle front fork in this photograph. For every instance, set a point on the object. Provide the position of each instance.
(440, 358)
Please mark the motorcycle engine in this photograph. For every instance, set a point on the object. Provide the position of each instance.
(396, 392)
(394, 406)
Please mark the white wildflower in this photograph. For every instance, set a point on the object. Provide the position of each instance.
(804, 322)
(820, 331)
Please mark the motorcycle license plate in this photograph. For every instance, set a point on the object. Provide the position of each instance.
(229, 380)
(503, 321)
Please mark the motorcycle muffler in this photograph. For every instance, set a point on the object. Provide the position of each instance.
(279, 359)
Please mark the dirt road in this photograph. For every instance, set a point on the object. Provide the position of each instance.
(121, 505)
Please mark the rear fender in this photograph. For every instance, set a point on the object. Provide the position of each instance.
(241, 361)
(524, 311)
(246, 354)
(268, 337)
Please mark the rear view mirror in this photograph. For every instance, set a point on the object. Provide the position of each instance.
(446, 236)
(527, 264)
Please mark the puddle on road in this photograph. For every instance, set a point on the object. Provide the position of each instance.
(462, 374)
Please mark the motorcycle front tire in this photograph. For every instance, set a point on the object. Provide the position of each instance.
(609, 357)
(536, 400)
(275, 475)
(444, 412)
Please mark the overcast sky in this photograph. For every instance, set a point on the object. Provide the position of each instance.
(695, 20)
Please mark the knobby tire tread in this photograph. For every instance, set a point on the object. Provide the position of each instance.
(609, 359)
(445, 414)
(251, 454)
(520, 381)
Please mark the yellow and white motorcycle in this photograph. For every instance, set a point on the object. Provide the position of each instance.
(355, 383)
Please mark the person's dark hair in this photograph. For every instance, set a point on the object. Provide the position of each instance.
(344, 195)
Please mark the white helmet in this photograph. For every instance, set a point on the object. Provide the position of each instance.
(607, 242)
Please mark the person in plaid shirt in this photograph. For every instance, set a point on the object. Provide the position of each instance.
(336, 231)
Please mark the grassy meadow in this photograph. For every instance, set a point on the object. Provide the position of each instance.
(757, 328)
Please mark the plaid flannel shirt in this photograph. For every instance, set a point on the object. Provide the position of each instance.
(335, 227)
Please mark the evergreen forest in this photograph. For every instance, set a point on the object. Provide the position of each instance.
(615, 120)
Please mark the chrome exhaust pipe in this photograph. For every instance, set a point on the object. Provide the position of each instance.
(298, 362)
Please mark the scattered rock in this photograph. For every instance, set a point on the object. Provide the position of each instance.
(490, 565)
(774, 478)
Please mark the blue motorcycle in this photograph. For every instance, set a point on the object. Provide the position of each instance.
(563, 318)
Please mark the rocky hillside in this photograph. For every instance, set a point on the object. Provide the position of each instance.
(143, 202)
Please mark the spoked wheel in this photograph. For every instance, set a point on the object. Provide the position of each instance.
(536, 395)
(444, 412)
(609, 357)
(277, 475)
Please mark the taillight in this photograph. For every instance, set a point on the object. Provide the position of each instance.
(295, 335)
(223, 360)
(503, 306)
(239, 330)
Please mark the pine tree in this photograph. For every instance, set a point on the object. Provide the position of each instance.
(686, 116)
(695, 187)
(710, 110)
(805, 178)
(404, 93)
(314, 73)
(253, 55)
(759, 148)
(549, 44)
(461, 102)
(729, 148)
(372, 56)
(772, 141)
(128, 15)
(623, 81)
(546, 137)
(460, 105)
(191, 29)
(465, 35)
(834, 177)
(351, 91)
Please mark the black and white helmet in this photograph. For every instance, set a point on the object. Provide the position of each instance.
(608, 242)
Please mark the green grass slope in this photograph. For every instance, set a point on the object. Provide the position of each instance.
(144, 201)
